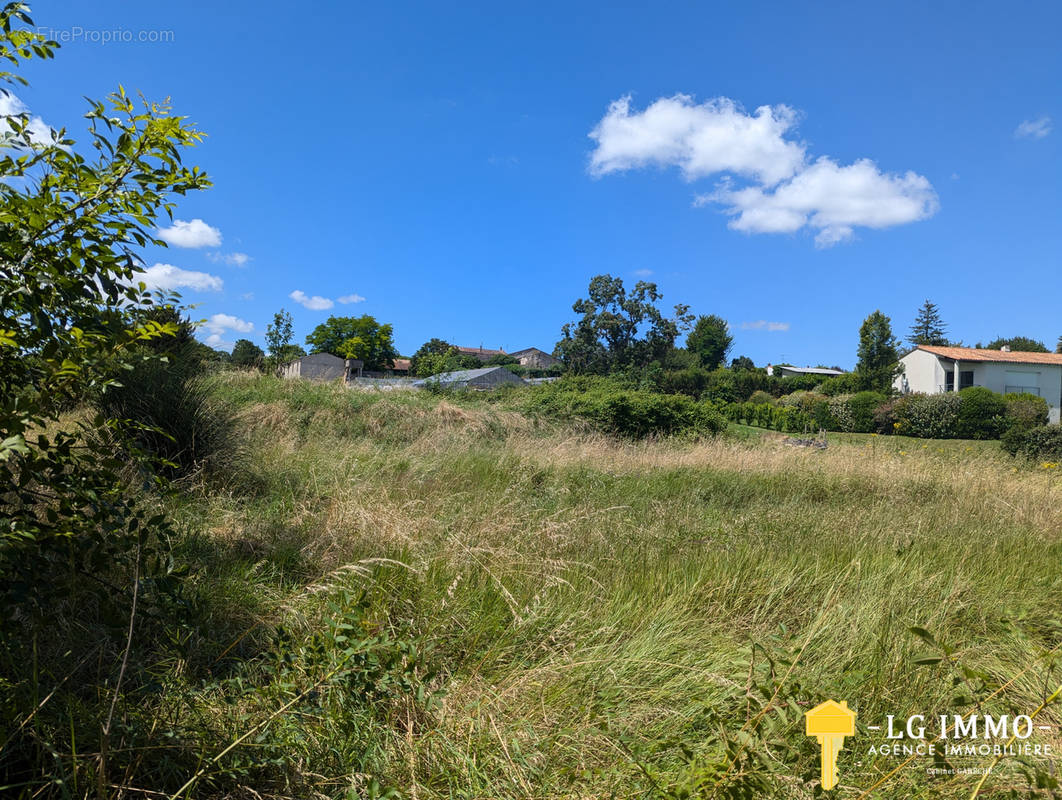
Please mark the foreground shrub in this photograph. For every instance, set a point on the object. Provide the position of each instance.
(1025, 410)
(1042, 442)
(626, 412)
(981, 414)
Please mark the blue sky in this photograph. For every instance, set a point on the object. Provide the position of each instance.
(463, 172)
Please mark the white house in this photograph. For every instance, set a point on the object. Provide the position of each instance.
(930, 370)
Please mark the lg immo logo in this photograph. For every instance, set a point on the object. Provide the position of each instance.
(950, 736)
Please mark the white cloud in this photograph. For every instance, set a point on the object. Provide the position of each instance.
(768, 183)
(10, 105)
(716, 136)
(190, 234)
(169, 278)
(1033, 128)
(350, 298)
(247, 296)
(220, 324)
(643, 273)
(831, 199)
(232, 259)
(764, 325)
(315, 303)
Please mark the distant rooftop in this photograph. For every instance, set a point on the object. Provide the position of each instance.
(978, 354)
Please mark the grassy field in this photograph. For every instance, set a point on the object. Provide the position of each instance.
(536, 610)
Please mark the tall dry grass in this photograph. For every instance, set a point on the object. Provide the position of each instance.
(601, 611)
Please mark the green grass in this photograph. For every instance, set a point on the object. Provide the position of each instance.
(594, 617)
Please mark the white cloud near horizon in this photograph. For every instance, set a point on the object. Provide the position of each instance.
(10, 105)
(220, 324)
(190, 234)
(768, 183)
(1033, 128)
(764, 325)
(347, 299)
(232, 259)
(315, 303)
(167, 277)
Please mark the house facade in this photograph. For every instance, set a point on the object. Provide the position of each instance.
(931, 370)
(535, 358)
(315, 367)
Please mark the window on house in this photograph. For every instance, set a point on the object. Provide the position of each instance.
(965, 379)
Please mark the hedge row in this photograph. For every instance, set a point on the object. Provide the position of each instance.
(625, 412)
(1042, 442)
(973, 413)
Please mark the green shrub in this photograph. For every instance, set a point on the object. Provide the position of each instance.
(1042, 442)
(863, 405)
(759, 397)
(174, 417)
(927, 416)
(1025, 410)
(981, 414)
(626, 412)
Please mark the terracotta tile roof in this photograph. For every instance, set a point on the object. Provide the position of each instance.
(401, 364)
(974, 354)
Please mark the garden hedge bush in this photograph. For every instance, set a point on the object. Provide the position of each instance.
(626, 412)
(982, 414)
(1025, 410)
(1042, 442)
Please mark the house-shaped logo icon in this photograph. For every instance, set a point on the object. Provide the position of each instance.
(830, 722)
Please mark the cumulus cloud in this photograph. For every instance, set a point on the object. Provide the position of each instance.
(1033, 128)
(167, 277)
(764, 325)
(219, 325)
(10, 106)
(232, 259)
(767, 182)
(832, 199)
(712, 137)
(350, 298)
(190, 234)
(315, 303)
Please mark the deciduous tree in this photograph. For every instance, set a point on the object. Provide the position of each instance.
(879, 359)
(618, 329)
(710, 339)
(355, 337)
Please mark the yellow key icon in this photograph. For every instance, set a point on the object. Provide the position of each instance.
(830, 723)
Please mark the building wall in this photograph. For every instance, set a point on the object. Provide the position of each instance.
(315, 367)
(537, 359)
(928, 374)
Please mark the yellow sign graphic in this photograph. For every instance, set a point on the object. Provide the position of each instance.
(830, 723)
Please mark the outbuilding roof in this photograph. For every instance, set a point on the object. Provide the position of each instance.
(979, 354)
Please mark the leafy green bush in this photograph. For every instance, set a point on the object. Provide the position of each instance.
(1042, 442)
(1025, 410)
(626, 412)
(927, 416)
(759, 397)
(981, 414)
(862, 406)
(169, 413)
